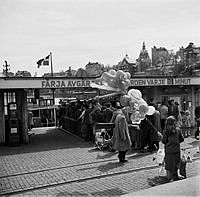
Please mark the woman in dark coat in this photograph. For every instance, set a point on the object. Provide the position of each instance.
(197, 118)
(155, 128)
(145, 129)
(172, 137)
(86, 129)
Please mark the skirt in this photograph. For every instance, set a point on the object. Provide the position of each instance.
(172, 161)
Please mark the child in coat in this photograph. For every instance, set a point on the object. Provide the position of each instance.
(186, 123)
(172, 137)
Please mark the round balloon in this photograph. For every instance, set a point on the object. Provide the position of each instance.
(135, 94)
(143, 109)
(128, 75)
(120, 75)
(132, 103)
(151, 110)
(135, 117)
(111, 83)
(98, 81)
(142, 102)
(142, 116)
(112, 72)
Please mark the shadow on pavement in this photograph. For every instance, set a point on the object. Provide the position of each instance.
(94, 149)
(194, 143)
(75, 193)
(109, 166)
(140, 155)
(105, 167)
(44, 140)
(107, 155)
(157, 180)
(109, 192)
(197, 154)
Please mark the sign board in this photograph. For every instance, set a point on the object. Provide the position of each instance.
(65, 83)
(58, 82)
(13, 106)
(13, 130)
(163, 81)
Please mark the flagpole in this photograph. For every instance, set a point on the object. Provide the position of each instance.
(53, 95)
(51, 65)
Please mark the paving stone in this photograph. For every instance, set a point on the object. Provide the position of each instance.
(76, 161)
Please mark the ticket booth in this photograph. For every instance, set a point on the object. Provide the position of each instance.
(13, 125)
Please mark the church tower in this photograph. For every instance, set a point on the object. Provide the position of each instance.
(143, 61)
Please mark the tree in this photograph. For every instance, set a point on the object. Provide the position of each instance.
(23, 73)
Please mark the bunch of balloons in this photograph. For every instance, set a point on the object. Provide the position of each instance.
(136, 105)
(118, 80)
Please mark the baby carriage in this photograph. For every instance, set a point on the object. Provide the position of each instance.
(103, 135)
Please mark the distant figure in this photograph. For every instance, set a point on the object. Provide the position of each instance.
(186, 123)
(173, 109)
(151, 102)
(87, 123)
(97, 114)
(197, 118)
(107, 113)
(163, 114)
(155, 128)
(30, 120)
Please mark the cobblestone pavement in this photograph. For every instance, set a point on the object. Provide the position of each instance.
(57, 163)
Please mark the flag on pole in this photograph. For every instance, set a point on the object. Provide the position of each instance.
(44, 62)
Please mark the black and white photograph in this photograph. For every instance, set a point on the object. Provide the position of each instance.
(99, 98)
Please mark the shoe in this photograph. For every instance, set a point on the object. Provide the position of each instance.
(178, 178)
(123, 161)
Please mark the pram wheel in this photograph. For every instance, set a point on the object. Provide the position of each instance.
(110, 148)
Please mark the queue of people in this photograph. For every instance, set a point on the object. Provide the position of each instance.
(85, 114)
(89, 112)
(144, 136)
(167, 125)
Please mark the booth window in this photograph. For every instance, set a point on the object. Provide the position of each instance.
(8, 98)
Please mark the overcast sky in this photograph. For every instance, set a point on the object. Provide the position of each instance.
(104, 31)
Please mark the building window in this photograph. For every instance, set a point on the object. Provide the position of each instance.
(165, 99)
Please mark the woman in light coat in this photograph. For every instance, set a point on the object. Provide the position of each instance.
(122, 141)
